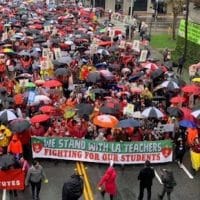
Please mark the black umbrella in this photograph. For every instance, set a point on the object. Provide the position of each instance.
(98, 91)
(62, 72)
(107, 110)
(136, 76)
(157, 73)
(174, 112)
(93, 77)
(126, 123)
(6, 161)
(19, 125)
(84, 109)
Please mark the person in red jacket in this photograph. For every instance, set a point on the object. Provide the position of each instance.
(108, 182)
(15, 146)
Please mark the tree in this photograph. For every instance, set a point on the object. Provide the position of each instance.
(177, 9)
(196, 3)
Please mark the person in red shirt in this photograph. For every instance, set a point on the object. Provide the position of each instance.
(37, 130)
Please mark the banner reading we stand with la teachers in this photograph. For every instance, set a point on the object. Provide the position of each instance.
(101, 151)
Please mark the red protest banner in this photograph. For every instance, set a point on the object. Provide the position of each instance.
(12, 179)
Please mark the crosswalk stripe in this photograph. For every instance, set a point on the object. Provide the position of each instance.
(158, 177)
(186, 171)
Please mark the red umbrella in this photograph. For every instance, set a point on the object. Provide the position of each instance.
(52, 83)
(40, 118)
(191, 89)
(47, 109)
(187, 113)
(177, 99)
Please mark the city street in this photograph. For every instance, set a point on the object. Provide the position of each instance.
(128, 186)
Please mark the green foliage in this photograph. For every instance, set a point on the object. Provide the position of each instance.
(193, 51)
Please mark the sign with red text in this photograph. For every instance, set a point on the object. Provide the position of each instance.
(101, 151)
(12, 179)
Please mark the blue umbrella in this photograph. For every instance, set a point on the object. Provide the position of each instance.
(126, 123)
(187, 124)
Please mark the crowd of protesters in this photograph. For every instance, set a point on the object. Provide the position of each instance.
(61, 69)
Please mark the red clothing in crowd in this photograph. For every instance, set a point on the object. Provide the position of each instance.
(76, 130)
(15, 146)
(37, 131)
(109, 181)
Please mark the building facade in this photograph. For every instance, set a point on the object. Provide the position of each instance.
(124, 6)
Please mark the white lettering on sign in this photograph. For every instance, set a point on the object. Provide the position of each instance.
(10, 183)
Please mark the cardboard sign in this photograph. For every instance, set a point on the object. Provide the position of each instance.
(57, 53)
(122, 44)
(136, 45)
(47, 28)
(128, 110)
(12, 179)
(45, 52)
(143, 56)
(4, 36)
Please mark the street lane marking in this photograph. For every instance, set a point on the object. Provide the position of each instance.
(158, 177)
(4, 195)
(89, 190)
(186, 171)
(85, 194)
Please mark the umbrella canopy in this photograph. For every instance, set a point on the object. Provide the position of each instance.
(152, 112)
(6, 116)
(196, 80)
(108, 110)
(19, 125)
(103, 52)
(126, 123)
(174, 112)
(93, 77)
(29, 85)
(98, 91)
(170, 85)
(25, 75)
(6, 161)
(69, 113)
(187, 124)
(196, 114)
(65, 60)
(47, 109)
(62, 72)
(137, 115)
(105, 121)
(191, 89)
(41, 98)
(157, 73)
(177, 99)
(52, 84)
(84, 109)
(187, 113)
(40, 118)
(107, 74)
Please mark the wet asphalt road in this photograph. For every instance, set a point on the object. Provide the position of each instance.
(128, 186)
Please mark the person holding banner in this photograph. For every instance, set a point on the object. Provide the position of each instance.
(34, 177)
(107, 183)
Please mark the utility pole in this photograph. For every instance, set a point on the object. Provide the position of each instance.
(186, 28)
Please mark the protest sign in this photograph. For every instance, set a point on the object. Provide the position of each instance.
(143, 56)
(12, 179)
(101, 151)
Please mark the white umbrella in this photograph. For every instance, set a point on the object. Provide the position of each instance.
(152, 112)
(7, 115)
(137, 115)
(39, 98)
(103, 52)
(196, 114)
(170, 85)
